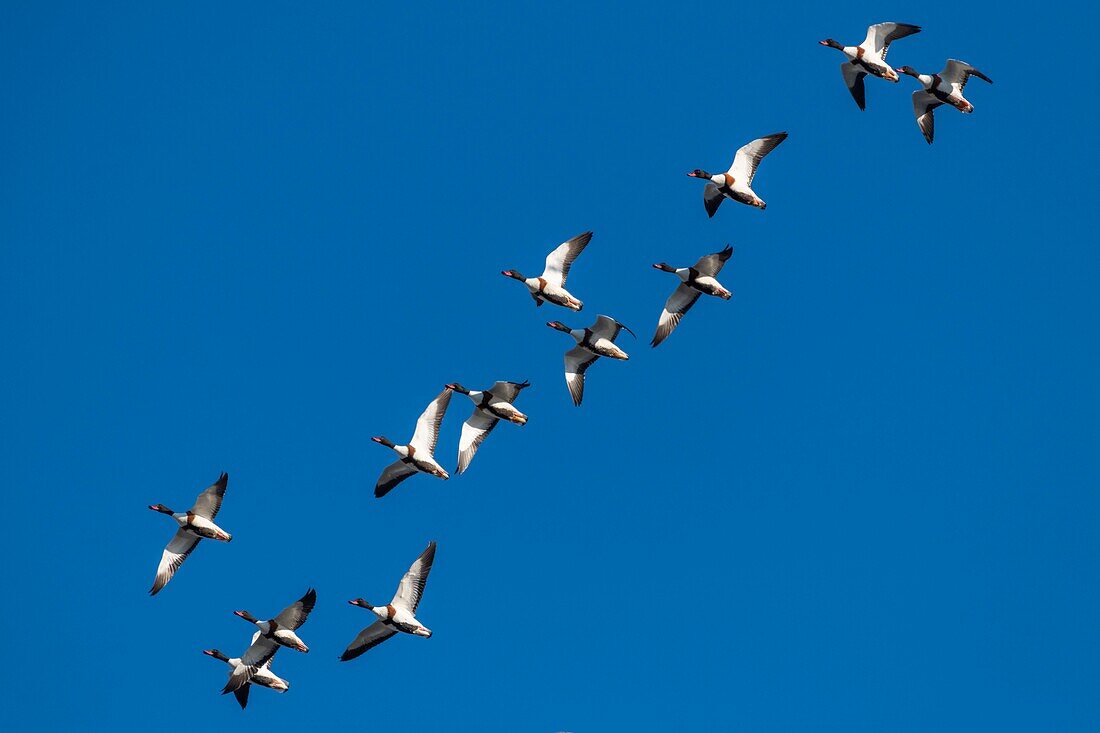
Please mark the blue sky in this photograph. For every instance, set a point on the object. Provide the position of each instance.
(859, 496)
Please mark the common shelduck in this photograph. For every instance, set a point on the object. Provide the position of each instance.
(263, 677)
(400, 613)
(736, 183)
(417, 455)
(274, 633)
(195, 524)
(550, 286)
(945, 87)
(490, 407)
(592, 343)
(694, 281)
(869, 57)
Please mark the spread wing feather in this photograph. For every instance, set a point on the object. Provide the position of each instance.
(474, 432)
(392, 475)
(368, 638)
(561, 259)
(676, 306)
(411, 587)
(427, 425)
(748, 157)
(210, 500)
(182, 544)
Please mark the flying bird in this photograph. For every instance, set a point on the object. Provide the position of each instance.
(274, 633)
(263, 677)
(417, 455)
(736, 183)
(869, 57)
(400, 613)
(195, 524)
(550, 286)
(592, 343)
(490, 407)
(945, 87)
(694, 281)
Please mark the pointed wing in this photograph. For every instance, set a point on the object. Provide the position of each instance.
(391, 476)
(748, 157)
(182, 544)
(427, 425)
(256, 656)
(577, 361)
(412, 583)
(923, 104)
(608, 328)
(676, 306)
(881, 35)
(508, 391)
(712, 198)
(957, 73)
(241, 693)
(368, 638)
(474, 432)
(210, 500)
(853, 78)
(711, 265)
(294, 615)
(561, 259)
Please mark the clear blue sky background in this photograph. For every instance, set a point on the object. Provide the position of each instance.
(860, 496)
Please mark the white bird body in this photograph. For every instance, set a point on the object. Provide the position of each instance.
(598, 345)
(399, 615)
(201, 527)
(281, 636)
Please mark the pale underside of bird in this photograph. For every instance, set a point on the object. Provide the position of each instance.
(490, 407)
(939, 89)
(736, 183)
(694, 281)
(263, 676)
(273, 634)
(869, 57)
(418, 455)
(550, 285)
(592, 343)
(195, 524)
(399, 615)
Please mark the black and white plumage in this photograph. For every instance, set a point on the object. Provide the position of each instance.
(592, 343)
(694, 281)
(263, 676)
(869, 57)
(490, 407)
(273, 633)
(400, 613)
(195, 524)
(736, 183)
(418, 454)
(550, 286)
(945, 87)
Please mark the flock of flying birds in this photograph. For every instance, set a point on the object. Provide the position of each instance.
(492, 405)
